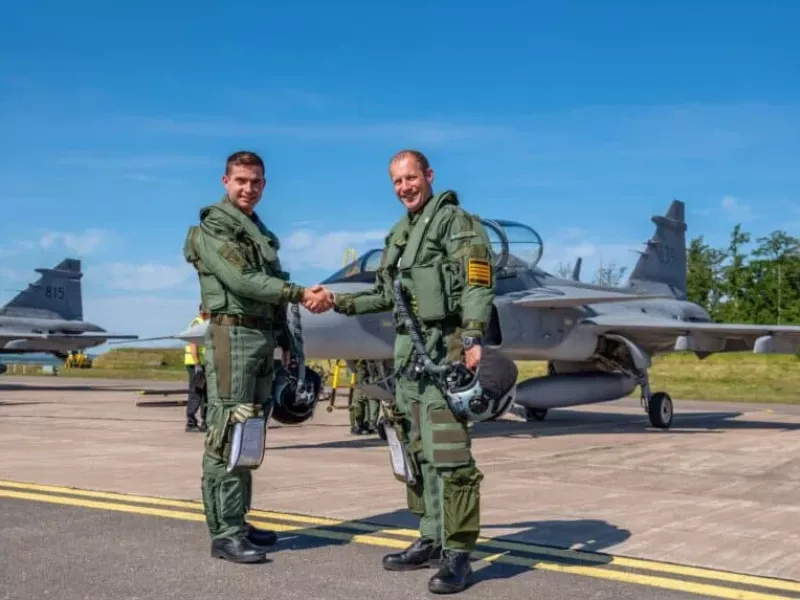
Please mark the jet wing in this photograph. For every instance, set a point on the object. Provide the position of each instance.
(566, 297)
(192, 335)
(11, 334)
(89, 336)
(700, 336)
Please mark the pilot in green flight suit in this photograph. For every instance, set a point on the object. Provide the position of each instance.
(442, 255)
(364, 411)
(246, 293)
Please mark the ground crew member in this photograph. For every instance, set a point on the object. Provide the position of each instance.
(194, 359)
(364, 411)
(246, 293)
(443, 257)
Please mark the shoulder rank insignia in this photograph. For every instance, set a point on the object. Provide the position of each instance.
(479, 272)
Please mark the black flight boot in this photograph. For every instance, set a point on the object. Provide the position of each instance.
(419, 555)
(453, 575)
(260, 537)
(237, 548)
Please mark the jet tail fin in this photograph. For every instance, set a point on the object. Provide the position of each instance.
(55, 295)
(662, 265)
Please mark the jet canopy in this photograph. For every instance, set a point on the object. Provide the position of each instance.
(516, 248)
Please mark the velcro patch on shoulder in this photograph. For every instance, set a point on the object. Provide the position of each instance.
(463, 235)
(479, 272)
(230, 253)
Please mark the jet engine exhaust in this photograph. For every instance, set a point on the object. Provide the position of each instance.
(573, 389)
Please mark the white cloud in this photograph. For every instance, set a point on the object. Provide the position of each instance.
(594, 254)
(81, 243)
(15, 247)
(142, 315)
(736, 210)
(140, 277)
(309, 249)
(12, 274)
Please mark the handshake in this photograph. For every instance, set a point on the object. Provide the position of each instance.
(317, 299)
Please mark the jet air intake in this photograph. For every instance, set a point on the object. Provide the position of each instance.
(573, 389)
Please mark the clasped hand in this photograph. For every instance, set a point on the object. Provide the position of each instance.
(318, 299)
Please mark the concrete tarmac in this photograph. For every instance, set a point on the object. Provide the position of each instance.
(712, 502)
(74, 553)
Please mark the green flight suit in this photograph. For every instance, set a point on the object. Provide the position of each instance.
(244, 288)
(364, 411)
(443, 256)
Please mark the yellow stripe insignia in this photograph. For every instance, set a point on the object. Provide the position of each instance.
(479, 272)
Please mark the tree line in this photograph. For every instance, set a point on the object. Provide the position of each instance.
(761, 285)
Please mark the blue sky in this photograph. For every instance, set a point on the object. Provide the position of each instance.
(581, 119)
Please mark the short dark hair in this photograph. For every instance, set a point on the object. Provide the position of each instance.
(243, 158)
(421, 158)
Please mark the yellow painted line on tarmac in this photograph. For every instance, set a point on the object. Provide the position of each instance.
(604, 561)
(708, 590)
(38, 487)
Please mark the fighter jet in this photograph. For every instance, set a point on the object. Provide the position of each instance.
(48, 316)
(598, 341)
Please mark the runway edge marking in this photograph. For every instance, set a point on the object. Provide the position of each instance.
(604, 560)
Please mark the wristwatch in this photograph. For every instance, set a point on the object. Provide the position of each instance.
(469, 341)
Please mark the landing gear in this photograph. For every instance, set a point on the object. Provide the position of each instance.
(659, 409)
(658, 406)
(629, 359)
(535, 414)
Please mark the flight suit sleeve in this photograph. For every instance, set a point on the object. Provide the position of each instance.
(468, 247)
(227, 262)
(378, 299)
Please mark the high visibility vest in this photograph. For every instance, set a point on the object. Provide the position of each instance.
(188, 359)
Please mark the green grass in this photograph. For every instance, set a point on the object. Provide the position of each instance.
(734, 376)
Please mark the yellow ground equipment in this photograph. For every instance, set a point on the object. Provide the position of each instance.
(77, 360)
(343, 383)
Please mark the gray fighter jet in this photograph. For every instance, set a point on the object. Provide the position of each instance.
(48, 316)
(598, 341)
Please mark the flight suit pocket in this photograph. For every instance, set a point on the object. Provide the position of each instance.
(213, 294)
(429, 292)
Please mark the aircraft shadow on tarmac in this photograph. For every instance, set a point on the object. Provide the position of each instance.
(587, 535)
(584, 423)
(24, 403)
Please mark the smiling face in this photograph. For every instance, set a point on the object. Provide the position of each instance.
(244, 184)
(412, 181)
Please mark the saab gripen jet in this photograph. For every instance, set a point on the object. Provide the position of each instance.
(598, 341)
(47, 317)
